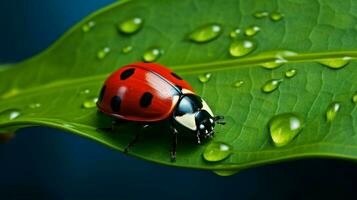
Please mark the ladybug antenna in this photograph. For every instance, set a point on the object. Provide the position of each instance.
(219, 119)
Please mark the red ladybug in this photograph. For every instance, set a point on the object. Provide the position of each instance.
(150, 92)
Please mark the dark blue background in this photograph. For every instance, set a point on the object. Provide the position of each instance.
(43, 163)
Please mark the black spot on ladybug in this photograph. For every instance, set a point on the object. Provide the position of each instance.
(101, 95)
(179, 87)
(115, 103)
(127, 73)
(176, 76)
(146, 99)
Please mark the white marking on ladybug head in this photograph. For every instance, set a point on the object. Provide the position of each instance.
(175, 99)
(187, 120)
(207, 108)
(202, 126)
(186, 91)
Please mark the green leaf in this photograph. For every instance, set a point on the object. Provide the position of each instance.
(50, 89)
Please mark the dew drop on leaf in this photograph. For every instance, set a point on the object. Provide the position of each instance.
(335, 63)
(90, 102)
(204, 78)
(237, 84)
(273, 65)
(127, 49)
(85, 91)
(239, 48)
(271, 85)
(284, 128)
(276, 16)
(10, 114)
(290, 73)
(205, 33)
(217, 151)
(88, 26)
(101, 54)
(281, 56)
(332, 111)
(34, 105)
(152, 54)
(225, 172)
(260, 14)
(354, 98)
(252, 30)
(234, 33)
(131, 26)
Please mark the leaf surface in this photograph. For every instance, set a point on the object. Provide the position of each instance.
(50, 88)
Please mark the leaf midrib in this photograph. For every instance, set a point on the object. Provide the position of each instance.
(253, 61)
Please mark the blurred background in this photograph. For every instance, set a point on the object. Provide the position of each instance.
(43, 163)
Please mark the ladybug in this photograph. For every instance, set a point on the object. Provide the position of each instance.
(149, 92)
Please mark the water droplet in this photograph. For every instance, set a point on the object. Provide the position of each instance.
(152, 54)
(332, 111)
(103, 52)
(281, 56)
(127, 49)
(85, 91)
(335, 63)
(34, 105)
(260, 14)
(204, 78)
(290, 73)
(271, 85)
(68, 125)
(225, 172)
(252, 30)
(90, 102)
(242, 47)
(354, 98)
(285, 127)
(131, 25)
(10, 114)
(276, 16)
(88, 26)
(205, 33)
(217, 151)
(273, 65)
(238, 84)
(235, 33)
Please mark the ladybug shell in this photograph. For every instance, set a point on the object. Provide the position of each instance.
(144, 92)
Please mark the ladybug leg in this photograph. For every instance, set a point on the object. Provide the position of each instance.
(174, 144)
(135, 139)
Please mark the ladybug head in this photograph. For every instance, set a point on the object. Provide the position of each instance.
(193, 113)
(205, 124)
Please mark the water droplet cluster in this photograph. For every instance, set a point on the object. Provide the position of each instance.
(274, 16)
(283, 128)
